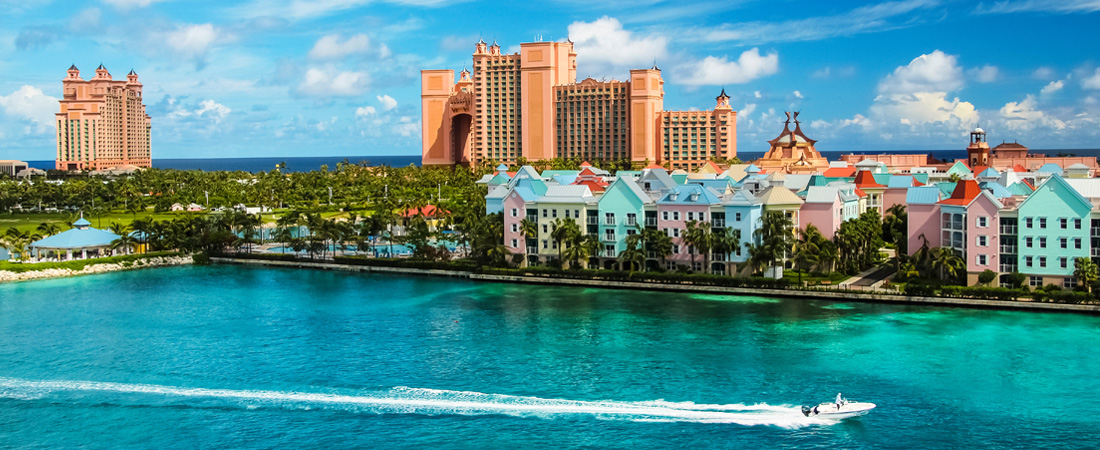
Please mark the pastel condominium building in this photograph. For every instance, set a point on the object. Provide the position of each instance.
(1034, 223)
(102, 123)
(529, 105)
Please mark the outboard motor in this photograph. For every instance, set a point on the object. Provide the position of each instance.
(806, 410)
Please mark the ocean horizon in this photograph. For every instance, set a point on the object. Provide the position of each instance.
(308, 163)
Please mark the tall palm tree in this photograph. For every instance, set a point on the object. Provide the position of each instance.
(947, 263)
(125, 242)
(633, 254)
(726, 241)
(527, 229)
(48, 229)
(1085, 270)
(562, 231)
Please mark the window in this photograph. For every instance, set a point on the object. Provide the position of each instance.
(1027, 222)
(738, 217)
(1064, 223)
(667, 233)
(545, 243)
(1043, 242)
(1028, 260)
(544, 228)
(609, 235)
(1042, 222)
(1035, 281)
(1062, 262)
(576, 213)
(1028, 241)
(1042, 261)
(691, 215)
(545, 213)
(1069, 282)
(555, 214)
(664, 215)
(983, 241)
(515, 243)
(982, 261)
(983, 222)
(675, 249)
(515, 228)
(1077, 224)
(609, 218)
(1077, 243)
(675, 232)
(515, 212)
(1063, 242)
(676, 215)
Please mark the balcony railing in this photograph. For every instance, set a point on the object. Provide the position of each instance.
(631, 222)
(592, 220)
(532, 250)
(1008, 229)
(1095, 231)
(718, 224)
(1009, 249)
(609, 253)
(650, 222)
(609, 238)
(609, 221)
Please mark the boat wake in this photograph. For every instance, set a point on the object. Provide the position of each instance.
(404, 400)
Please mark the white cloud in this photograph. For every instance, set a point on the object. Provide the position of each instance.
(329, 82)
(865, 19)
(1053, 87)
(194, 42)
(1092, 82)
(1043, 73)
(605, 47)
(1025, 116)
(746, 111)
(757, 94)
(30, 104)
(985, 74)
(213, 110)
(363, 112)
(310, 9)
(129, 4)
(330, 47)
(387, 102)
(1047, 6)
(923, 108)
(716, 71)
(798, 94)
(934, 72)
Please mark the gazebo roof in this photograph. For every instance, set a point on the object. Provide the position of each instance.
(77, 238)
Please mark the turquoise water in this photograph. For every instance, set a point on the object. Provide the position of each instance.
(239, 357)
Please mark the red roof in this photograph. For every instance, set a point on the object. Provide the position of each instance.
(1028, 183)
(965, 192)
(587, 172)
(916, 182)
(865, 179)
(593, 185)
(427, 211)
(839, 172)
(860, 192)
(586, 164)
(511, 174)
(714, 165)
(1018, 168)
(979, 169)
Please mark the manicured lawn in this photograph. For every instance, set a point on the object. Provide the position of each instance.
(30, 221)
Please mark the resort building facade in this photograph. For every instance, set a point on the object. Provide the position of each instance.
(529, 106)
(102, 123)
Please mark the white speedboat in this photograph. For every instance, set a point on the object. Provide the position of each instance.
(840, 409)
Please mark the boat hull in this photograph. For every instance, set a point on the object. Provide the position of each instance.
(845, 411)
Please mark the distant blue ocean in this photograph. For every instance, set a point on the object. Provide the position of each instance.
(293, 164)
(308, 163)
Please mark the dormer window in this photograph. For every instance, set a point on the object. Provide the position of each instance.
(694, 197)
(673, 196)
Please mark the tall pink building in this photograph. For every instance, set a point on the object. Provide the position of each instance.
(529, 105)
(102, 123)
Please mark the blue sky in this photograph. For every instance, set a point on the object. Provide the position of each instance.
(341, 77)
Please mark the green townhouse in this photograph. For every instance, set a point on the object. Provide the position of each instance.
(1052, 228)
(622, 211)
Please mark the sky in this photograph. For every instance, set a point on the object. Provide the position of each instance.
(284, 78)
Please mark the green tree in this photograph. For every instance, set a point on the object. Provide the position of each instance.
(528, 229)
(1085, 270)
(987, 276)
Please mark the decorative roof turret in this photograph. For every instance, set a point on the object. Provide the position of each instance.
(723, 100)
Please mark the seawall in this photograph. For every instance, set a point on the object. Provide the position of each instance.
(845, 296)
(7, 276)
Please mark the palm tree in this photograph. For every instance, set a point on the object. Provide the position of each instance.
(1085, 270)
(633, 254)
(947, 263)
(562, 231)
(726, 241)
(124, 241)
(527, 229)
(48, 229)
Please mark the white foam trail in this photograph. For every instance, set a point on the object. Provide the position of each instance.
(403, 400)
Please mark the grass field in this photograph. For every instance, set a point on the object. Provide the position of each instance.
(30, 221)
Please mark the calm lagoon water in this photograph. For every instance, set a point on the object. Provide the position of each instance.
(239, 357)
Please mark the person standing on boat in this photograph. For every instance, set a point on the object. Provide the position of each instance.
(838, 400)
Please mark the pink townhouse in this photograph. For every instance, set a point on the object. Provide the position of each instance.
(923, 207)
(969, 222)
(516, 203)
(680, 205)
(824, 209)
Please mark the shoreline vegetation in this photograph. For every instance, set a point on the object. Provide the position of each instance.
(10, 272)
(437, 216)
(981, 297)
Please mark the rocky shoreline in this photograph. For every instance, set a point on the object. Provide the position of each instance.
(158, 261)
